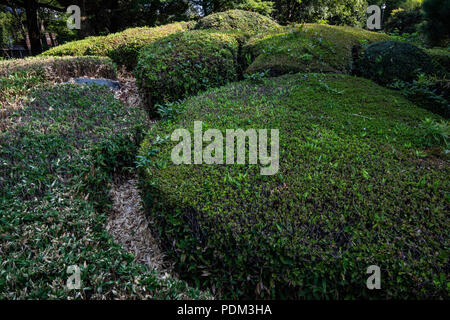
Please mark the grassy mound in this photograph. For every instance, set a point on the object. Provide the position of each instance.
(311, 47)
(59, 69)
(387, 61)
(186, 63)
(122, 47)
(357, 186)
(238, 20)
(57, 157)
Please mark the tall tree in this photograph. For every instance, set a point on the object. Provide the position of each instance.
(31, 8)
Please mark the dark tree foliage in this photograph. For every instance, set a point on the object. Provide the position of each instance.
(206, 7)
(437, 21)
(100, 16)
(391, 5)
(405, 21)
(349, 12)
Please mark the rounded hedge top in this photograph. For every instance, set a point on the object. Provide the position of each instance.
(122, 47)
(185, 63)
(240, 20)
(309, 48)
(387, 61)
(60, 69)
(74, 48)
(350, 193)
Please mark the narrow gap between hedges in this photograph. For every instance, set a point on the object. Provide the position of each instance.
(129, 225)
(127, 221)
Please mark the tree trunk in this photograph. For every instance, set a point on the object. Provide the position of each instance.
(31, 10)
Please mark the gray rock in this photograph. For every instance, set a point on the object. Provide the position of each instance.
(100, 82)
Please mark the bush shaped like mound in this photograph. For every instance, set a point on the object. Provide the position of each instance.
(441, 56)
(238, 20)
(59, 69)
(185, 63)
(122, 47)
(350, 192)
(387, 61)
(312, 47)
(74, 48)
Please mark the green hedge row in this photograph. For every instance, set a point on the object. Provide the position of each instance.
(122, 47)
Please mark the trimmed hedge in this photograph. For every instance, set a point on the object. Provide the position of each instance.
(73, 48)
(441, 56)
(60, 69)
(311, 48)
(18, 76)
(351, 192)
(186, 63)
(121, 47)
(237, 20)
(387, 61)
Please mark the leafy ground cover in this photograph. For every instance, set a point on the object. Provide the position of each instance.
(58, 153)
(362, 181)
(19, 76)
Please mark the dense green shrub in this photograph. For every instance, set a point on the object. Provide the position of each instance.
(312, 47)
(431, 93)
(237, 20)
(185, 63)
(74, 48)
(437, 21)
(441, 56)
(351, 192)
(122, 47)
(385, 62)
(403, 21)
